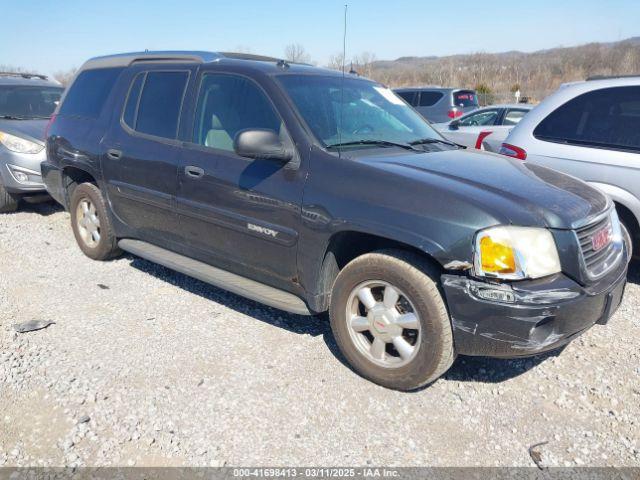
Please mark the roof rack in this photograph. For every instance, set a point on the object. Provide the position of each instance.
(23, 75)
(126, 59)
(611, 77)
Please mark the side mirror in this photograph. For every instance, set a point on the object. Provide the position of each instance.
(261, 143)
(454, 125)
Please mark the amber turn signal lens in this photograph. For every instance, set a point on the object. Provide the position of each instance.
(497, 257)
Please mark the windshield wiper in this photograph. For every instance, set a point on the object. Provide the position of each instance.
(11, 117)
(381, 143)
(423, 141)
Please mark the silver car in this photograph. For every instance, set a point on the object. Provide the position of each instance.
(438, 104)
(485, 128)
(591, 130)
(26, 104)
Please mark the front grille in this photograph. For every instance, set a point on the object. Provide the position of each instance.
(597, 262)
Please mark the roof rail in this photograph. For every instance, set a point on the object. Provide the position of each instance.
(611, 77)
(126, 59)
(24, 75)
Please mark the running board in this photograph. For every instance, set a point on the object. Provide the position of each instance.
(220, 278)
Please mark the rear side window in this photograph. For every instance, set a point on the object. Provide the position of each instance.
(409, 97)
(428, 99)
(89, 92)
(605, 118)
(513, 117)
(157, 111)
(465, 98)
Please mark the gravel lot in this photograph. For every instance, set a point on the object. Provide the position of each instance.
(145, 366)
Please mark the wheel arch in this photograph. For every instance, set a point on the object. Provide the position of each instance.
(345, 245)
(72, 177)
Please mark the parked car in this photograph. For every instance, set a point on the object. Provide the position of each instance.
(438, 104)
(312, 192)
(591, 130)
(26, 104)
(485, 128)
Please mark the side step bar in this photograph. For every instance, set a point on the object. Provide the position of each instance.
(220, 278)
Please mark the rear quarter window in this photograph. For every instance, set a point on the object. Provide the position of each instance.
(88, 93)
(604, 118)
(428, 99)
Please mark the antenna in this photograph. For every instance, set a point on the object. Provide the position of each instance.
(344, 59)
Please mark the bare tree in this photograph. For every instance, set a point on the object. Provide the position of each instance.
(65, 76)
(336, 61)
(294, 52)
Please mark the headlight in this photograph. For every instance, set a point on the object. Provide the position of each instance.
(20, 145)
(514, 253)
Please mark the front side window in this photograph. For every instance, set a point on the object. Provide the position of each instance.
(158, 110)
(228, 104)
(483, 118)
(606, 118)
(89, 91)
(25, 102)
(341, 110)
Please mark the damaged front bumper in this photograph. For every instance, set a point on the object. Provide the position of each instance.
(529, 317)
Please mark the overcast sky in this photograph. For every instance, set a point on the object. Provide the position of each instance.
(49, 36)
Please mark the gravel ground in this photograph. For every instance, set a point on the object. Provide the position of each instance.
(145, 366)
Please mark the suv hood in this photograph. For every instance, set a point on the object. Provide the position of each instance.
(520, 193)
(32, 130)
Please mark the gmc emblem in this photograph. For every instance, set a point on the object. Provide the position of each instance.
(601, 239)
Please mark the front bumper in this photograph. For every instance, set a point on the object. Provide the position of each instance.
(26, 163)
(545, 314)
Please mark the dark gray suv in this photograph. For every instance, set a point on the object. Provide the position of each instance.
(26, 104)
(311, 191)
(439, 105)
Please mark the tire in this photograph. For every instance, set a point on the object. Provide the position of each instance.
(8, 202)
(415, 280)
(629, 238)
(88, 198)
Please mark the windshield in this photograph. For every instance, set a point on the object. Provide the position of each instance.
(361, 112)
(27, 102)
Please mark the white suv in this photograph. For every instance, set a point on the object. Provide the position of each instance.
(591, 130)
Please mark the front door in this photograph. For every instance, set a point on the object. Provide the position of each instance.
(236, 212)
(141, 153)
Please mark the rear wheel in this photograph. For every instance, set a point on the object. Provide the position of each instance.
(8, 201)
(390, 321)
(90, 222)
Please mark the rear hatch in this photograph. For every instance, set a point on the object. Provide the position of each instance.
(464, 101)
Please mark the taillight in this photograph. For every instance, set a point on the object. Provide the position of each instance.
(481, 138)
(454, 113)
(46, 130)
(513, 151)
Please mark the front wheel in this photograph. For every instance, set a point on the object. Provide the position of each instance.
(90, 222)
(390, 321)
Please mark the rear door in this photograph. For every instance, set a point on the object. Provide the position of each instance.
(142, 153)
(428, 105)
(236, 212)
(596, 137)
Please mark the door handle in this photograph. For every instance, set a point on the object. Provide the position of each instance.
(194, 172)
(114, 154)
